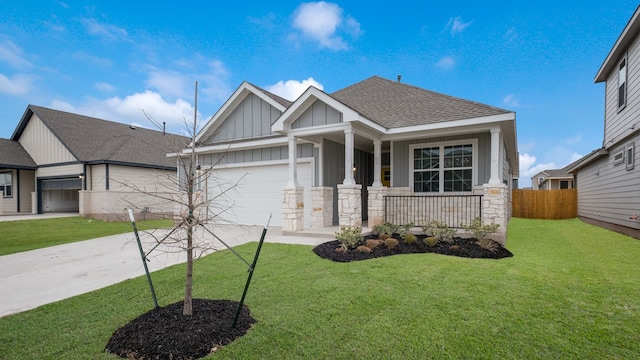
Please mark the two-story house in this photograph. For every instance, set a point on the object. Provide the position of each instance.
(553, 179)
(608, 181)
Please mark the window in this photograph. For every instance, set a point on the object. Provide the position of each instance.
(6, 184)
(445, 167)
(630, 156)
(564, 184)
(618, 158)
(622, 83)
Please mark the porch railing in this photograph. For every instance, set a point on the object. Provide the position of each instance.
(453, 210)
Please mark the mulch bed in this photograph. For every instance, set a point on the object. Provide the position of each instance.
(164, 333)
(463, 247)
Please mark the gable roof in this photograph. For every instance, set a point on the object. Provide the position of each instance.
(93, 140)
(629, 33)
(393, 104)
(13, 155)
(234, 100)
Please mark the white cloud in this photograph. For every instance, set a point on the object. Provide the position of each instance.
(292, 89)
(16, 85)
(105, 87)
(511, 100)
(106, 31)
(457, 25)
(322, 21)
(446, 63)
(13, 55)
(132, 109)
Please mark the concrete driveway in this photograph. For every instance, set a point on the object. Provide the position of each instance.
(34, 278)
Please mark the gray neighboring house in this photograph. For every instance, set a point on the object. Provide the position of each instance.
(330, 159)
(555, 179)
(57, 161)
(607, 179)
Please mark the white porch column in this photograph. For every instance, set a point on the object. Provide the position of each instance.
(377, 162)
(293, 161)
(495, 156)
(348, 158)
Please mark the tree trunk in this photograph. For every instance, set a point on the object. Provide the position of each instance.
(187, 309)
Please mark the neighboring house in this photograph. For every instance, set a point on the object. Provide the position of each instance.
(608, 181)
(57, 161)
(325, 159)
(553, 179)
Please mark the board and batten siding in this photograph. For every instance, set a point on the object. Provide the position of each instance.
(62, 171)
(42, 145)
(609, 192)
(400, 157)
(252, 118)
(27, 185)
(319, 113)
(620, 123)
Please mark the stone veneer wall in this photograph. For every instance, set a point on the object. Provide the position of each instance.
(350, 205)
(292, 208)
(495, 207)
(321, 206)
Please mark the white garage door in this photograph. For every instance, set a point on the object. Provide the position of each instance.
(258, 192)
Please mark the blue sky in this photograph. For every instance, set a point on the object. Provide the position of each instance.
(119, 60)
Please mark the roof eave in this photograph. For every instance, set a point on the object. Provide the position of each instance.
(620, 47)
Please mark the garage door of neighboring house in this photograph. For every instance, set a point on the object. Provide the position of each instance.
(257, 194)
(58, 195)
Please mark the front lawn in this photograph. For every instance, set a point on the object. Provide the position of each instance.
(24, 235)
(569, 292)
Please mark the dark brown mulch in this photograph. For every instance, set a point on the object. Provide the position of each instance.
(164, 333)
(460, 247)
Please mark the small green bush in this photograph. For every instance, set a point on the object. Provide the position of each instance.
(409, 238)
(349, 236)
(430, 240)
(386, 228)
(479, 230)
(440, 230)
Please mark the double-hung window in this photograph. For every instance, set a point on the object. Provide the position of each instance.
(443, 167)
(6, 184)
(622, 83)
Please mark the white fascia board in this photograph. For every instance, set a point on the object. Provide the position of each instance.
(234, 100)
(283, 124)
(626, 37)
(484, 122)
(322, 129)
(244, 145)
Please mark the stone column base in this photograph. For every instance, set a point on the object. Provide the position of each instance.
(375, 202)
(292, 208)
(321, 206)
(495, 209)
(350, 205)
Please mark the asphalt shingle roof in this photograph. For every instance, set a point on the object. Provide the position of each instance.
(13, 155)
(393, 104)
(95, 140)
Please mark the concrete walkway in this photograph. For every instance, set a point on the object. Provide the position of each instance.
(34, 278)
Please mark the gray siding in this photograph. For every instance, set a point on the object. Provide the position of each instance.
(400, 154)
(618, 122)
(609, 192)
(317, 114)
(251, 119)
(255, 155)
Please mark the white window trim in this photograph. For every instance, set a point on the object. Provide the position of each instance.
(618, 157)
(11, 185)
(442, 144)
(626, 82)
(630, 156)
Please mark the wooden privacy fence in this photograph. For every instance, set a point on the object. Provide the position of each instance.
(545, 204)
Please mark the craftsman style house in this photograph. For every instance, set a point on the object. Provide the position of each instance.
(56, 161)
(378, 150)
(608, 180)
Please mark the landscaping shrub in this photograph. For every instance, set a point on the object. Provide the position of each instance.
(349, 236)
(440, 230)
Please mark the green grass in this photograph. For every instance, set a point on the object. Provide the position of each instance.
(23, 235)
(570, 292)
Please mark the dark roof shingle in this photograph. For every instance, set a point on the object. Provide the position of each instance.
(13, 155)
(393, 104)
(94, 140)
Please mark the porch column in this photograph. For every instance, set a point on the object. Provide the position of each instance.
(495, 156)
(293, 161)
(377, 162)
(348, 158)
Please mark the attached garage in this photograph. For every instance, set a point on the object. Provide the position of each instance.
(258, 191)
(58, 195)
